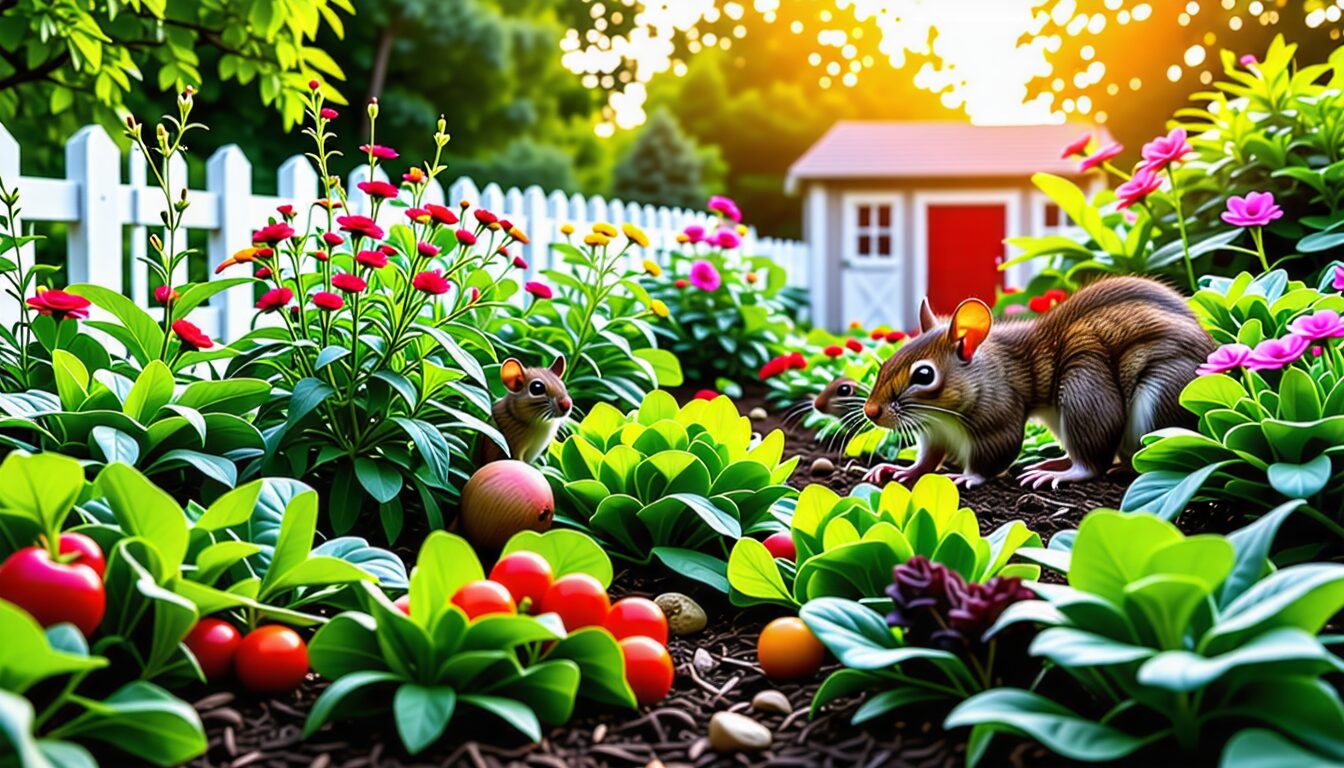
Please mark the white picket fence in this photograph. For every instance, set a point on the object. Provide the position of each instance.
(109, 206)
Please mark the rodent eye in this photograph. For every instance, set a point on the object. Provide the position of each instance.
(844, 390)
(537, 387)
(923, 374)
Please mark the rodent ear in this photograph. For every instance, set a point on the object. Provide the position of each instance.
(927, 320)
(969, 327)
(558, 367)
(511, 373)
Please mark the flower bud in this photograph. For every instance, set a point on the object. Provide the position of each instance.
(155, 242)
(313, 85)
(373, 109)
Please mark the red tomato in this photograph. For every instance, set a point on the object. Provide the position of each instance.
(481, 597)
(88, 551)
(271, 659)
(53, 592)
(781, 545)
(648, 669)
(214, 643)
(637, 617)
(525, 575)
(580, 600)
(403, 604)
(787, 649)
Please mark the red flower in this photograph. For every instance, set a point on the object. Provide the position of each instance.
(273, 233)
(505, 224)
(374, 259)
(274, 299)
(466, 238)
(834, 351)
(418, 215)
(520, 262)
(681, 283)
(332, 239)
(1056, 294)
(327, 301)
(378, 189)
(706, 394)
(485, 217)
(773, 368)
(319, 255)
(263, 273)
(895, 336)
(430, 282)
(854, 345)
(539, 290)
(796, 360)
(313, 85)
(379, 151)
(285, 210)
(387, 250)
(361, 225)
(328, 113)
(348, 283)
(877, 334)
(473, 295)
(163, 294)
(59, 304)
(428, 250)
(441, 214)
(191, 336)
(415, 175)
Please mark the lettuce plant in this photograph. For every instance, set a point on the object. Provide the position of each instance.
(1175, 637)
(677, 485)
(1248, 309)
(847, 547)
(427, 667)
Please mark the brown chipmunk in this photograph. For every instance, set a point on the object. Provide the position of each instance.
(842, 397)
(1100, 370)
(529, 413)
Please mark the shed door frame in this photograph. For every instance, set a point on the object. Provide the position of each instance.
(1010, 199)
(893, 268)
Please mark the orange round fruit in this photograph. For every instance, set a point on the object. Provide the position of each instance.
(787, 649)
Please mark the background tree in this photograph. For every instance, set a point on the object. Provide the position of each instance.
(662, 167)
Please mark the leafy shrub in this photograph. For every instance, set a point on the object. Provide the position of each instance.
(428, 666)
(1248, 309)
(1175, 636)
(674, 484)
(847, 547)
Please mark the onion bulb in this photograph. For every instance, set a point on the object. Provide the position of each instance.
(503, 498)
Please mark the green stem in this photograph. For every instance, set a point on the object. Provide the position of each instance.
(1259, 237)
(1180, 225)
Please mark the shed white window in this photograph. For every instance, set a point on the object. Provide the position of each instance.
(872, 231)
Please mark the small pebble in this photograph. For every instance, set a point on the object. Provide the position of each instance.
(684, 615)
(697, 749)
(729, 731)
(703, 661)
(758, 414)
(771, 701)
(823, 466)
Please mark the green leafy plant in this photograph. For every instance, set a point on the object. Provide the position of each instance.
(1173, 637)
(677, 485)
(426, 668)
(1250, 308)
(847, 547)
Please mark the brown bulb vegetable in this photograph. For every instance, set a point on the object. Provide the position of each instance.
(503, 498)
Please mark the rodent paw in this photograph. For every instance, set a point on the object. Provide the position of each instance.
(886, 473)
(968, 480)
(1061, 463)
(1037, 478)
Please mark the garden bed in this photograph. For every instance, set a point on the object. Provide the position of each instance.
(246, 730)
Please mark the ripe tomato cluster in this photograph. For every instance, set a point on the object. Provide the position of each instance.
(525, 581)
(67, 588)
(269, 659)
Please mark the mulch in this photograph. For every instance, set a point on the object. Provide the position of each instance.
(716, 671)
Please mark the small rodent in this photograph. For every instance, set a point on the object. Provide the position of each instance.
(1100, 370)
(529, 413)
(841, 398)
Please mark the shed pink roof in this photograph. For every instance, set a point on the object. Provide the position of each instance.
(938, 149)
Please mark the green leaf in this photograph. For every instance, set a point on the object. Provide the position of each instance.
(1301, 481)
(41, 488)
(706, 569)
(145, 510)
(515, 713)
(422, 713)
(855, 635)
(72, 379)
(1075, 648)
(1112, 550)
(143, 337)
(1032, 715)
(1302, 596)
(601, 664)
(294, 543)
(567, 551)
(346, 645)
(308, 394)
(152, 390)
(144, 721)
(753, 574)
(1286, 651)
(232, 509)
(342, 688)
(233, 395)
(1260, 748)
(380, 478)
(887, 702)
(666, 366)
(115, 445)
(445, 563)
(29, 658)
(431, 444)
(1252, 544)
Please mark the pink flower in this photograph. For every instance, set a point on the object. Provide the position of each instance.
(379, 151)
(539, 290)
(694, 234)
(1076, 147)
(1225, 358)
(285, 210)
(319, 255)
(274, 299)
(441, 214)
(192, 338)
(378, 189)
(1144, 182)
(428, 250)
(1322, 324)
(704, 276)
(727, 239)
(273, 233)
(1100, 156)
(348, 283)
(431, 282)
(520, 262)
(485, 217)
(328, 113)
(1255, 210)
(725, 207)
(1165, 150)
(1338, 283)
(59, 304)
(361, 225)
(327, 301)
(332, 239)
(1273, 354)
(263, 273)
(1247, 60)
(164, 294)
(373, 259)
(465, 238)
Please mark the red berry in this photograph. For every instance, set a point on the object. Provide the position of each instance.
(53, 592)
(526, 575)
(214, 643)
(648, 669)
(481, 597)
(271, 659)
(637, 617)
(781, 545)
(579, 599)
(90, 553)
(403, 604)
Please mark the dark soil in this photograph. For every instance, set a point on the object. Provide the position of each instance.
(247, 730)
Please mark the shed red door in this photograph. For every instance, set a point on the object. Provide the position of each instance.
(965, 244)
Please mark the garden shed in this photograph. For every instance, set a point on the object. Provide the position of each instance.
(896, 210)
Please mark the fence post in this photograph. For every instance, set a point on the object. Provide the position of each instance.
(296, 180)
(93, 161)
(229, 175)
(9, 173)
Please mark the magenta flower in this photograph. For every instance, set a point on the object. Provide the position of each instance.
(379, 151)
(727, 239)
(725, 206)
(1273, 354)
(1322, 324)
(694, 234)
(1076, 147)
(1144, 182)
(1338, 283)
(539, 290)
(1225, 358)
(1165, 150)
(1255, 210)
(705, 277)
(1100, 156)
(378, 189)
(1247, 60)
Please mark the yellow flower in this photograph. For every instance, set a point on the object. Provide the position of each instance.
(603, 228)
(683, 239)
(635, 234)
(651, 268)
(742, 230)
(659, 308)
(596, 239)
(519, 235)
(567, 229)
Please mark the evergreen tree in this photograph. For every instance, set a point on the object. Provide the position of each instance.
(663, 167)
